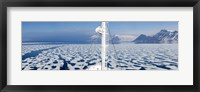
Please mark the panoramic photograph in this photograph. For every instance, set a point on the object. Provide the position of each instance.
(100, 45)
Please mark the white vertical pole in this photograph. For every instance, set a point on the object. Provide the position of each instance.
(104, 29)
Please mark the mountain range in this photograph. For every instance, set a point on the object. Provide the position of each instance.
(163, 36)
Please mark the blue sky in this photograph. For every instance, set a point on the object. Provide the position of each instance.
(136, 28)
(82, 31)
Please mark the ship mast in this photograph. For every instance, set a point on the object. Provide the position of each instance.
(103, 31)
(104, 28)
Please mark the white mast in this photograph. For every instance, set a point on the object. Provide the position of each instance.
(103, 42)
(103, 31)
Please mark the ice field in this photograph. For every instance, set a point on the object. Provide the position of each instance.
(143, 57)
(61, 57)
(88, 57)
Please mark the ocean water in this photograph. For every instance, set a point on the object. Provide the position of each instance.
(125, 56)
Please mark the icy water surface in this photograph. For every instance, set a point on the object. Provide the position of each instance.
(60, 57)
(143, 57)
(87, 56)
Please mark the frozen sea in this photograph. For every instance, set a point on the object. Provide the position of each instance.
(126, 56)
(143, 57)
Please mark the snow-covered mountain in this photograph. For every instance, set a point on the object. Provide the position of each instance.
(95, 38)
(127, 38)
(164, 36)
(114, 39)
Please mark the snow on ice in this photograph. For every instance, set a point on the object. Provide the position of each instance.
(87, 57)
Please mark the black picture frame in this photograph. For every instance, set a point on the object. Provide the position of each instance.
(100, 3)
